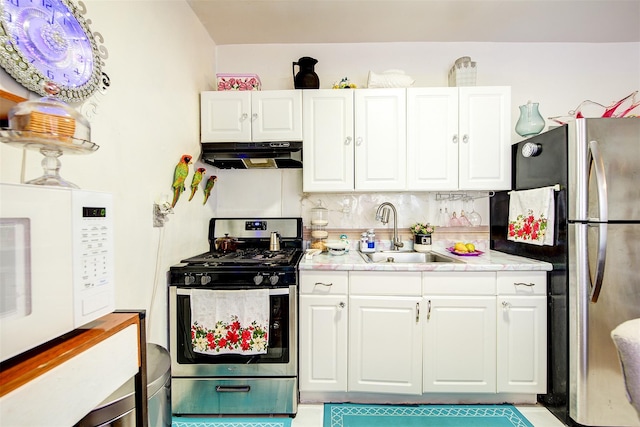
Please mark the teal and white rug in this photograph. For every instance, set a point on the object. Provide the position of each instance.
(230, 422)
(355, 415)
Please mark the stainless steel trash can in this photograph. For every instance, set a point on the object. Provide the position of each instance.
(118, 410)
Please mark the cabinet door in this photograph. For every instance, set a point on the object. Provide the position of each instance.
(385, 350)
(323, 343)
(328, 140)
(225, 116)
(432, 138)
(484, 138)
(459, 344)
(381, 147)
(276, 115)
(522, 344)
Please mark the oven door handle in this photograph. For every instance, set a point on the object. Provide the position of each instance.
(274, 291)
(233, 388)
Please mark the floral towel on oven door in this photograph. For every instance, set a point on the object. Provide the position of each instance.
(229, 322)
(532, 215)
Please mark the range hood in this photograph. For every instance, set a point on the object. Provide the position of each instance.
(253, 155)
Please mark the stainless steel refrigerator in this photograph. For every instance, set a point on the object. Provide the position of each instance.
(594, 285)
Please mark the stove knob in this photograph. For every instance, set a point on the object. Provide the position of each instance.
(205, 280)
(274, 279)
(257, 279)
(189, 280)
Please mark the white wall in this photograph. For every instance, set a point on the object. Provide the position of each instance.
(558, 76)
(160, 58)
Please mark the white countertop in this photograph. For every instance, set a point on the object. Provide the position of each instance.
(488, 261)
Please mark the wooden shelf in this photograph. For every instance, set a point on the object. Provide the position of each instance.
(36, 362)
(25, 370)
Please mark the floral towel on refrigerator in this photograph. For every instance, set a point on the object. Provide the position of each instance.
(230, 322)
(531, 216)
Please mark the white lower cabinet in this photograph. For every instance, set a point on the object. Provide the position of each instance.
(522, 332)
(384, 332)
(459, 330)
(324, 320)
(423, 332)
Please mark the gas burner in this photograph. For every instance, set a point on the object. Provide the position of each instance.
(247, 256)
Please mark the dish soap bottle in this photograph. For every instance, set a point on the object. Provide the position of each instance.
(368, 241)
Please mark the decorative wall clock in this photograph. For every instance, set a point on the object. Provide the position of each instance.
(49, 41)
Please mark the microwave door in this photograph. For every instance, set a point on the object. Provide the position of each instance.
(15, 268)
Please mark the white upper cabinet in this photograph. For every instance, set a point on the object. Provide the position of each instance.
(485, 138)
(328, 140)
(232, 116)
(416, 139)
(432, 134)
(354, 140)
(458, 138)
(380, 137)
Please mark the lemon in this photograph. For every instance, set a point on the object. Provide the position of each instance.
(460, 247)
(470, 247)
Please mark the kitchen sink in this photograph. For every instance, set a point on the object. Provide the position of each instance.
(406, 257)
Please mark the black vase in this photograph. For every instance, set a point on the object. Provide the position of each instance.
(306, 77)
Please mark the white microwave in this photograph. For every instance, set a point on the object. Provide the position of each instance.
(56, 263)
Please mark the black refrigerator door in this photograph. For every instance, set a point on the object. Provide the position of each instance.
(546, 167)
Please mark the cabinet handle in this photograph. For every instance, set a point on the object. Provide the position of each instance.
(465, 138)
(254, 116)
(523, 284)
(455, 139)
(342, 305)
(417, 312)
(323, 284)
(359, 140)
(429, 310)
(505, 305)
(244, 117)
(347, 141)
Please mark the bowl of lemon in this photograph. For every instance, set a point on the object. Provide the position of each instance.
(464, 249)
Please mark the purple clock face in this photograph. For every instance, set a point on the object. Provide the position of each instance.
(53, 40)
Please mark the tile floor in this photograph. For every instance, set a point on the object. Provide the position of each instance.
(311, 416)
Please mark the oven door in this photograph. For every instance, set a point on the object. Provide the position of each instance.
(279, 360)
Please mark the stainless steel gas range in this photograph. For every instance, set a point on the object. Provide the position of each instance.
(223, 361)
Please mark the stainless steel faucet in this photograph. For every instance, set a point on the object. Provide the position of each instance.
(382, 214)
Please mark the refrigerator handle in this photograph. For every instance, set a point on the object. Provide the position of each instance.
(603, 217)
(600, 261)
(601, 182)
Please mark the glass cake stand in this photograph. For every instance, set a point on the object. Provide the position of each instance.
(51, 147)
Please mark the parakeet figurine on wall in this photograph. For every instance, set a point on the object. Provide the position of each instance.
(207, 189)
(195, 181)
(179, 176)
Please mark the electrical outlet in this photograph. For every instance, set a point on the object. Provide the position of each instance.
(160, 214)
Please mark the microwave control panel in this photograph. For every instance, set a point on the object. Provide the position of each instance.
(92, 229)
